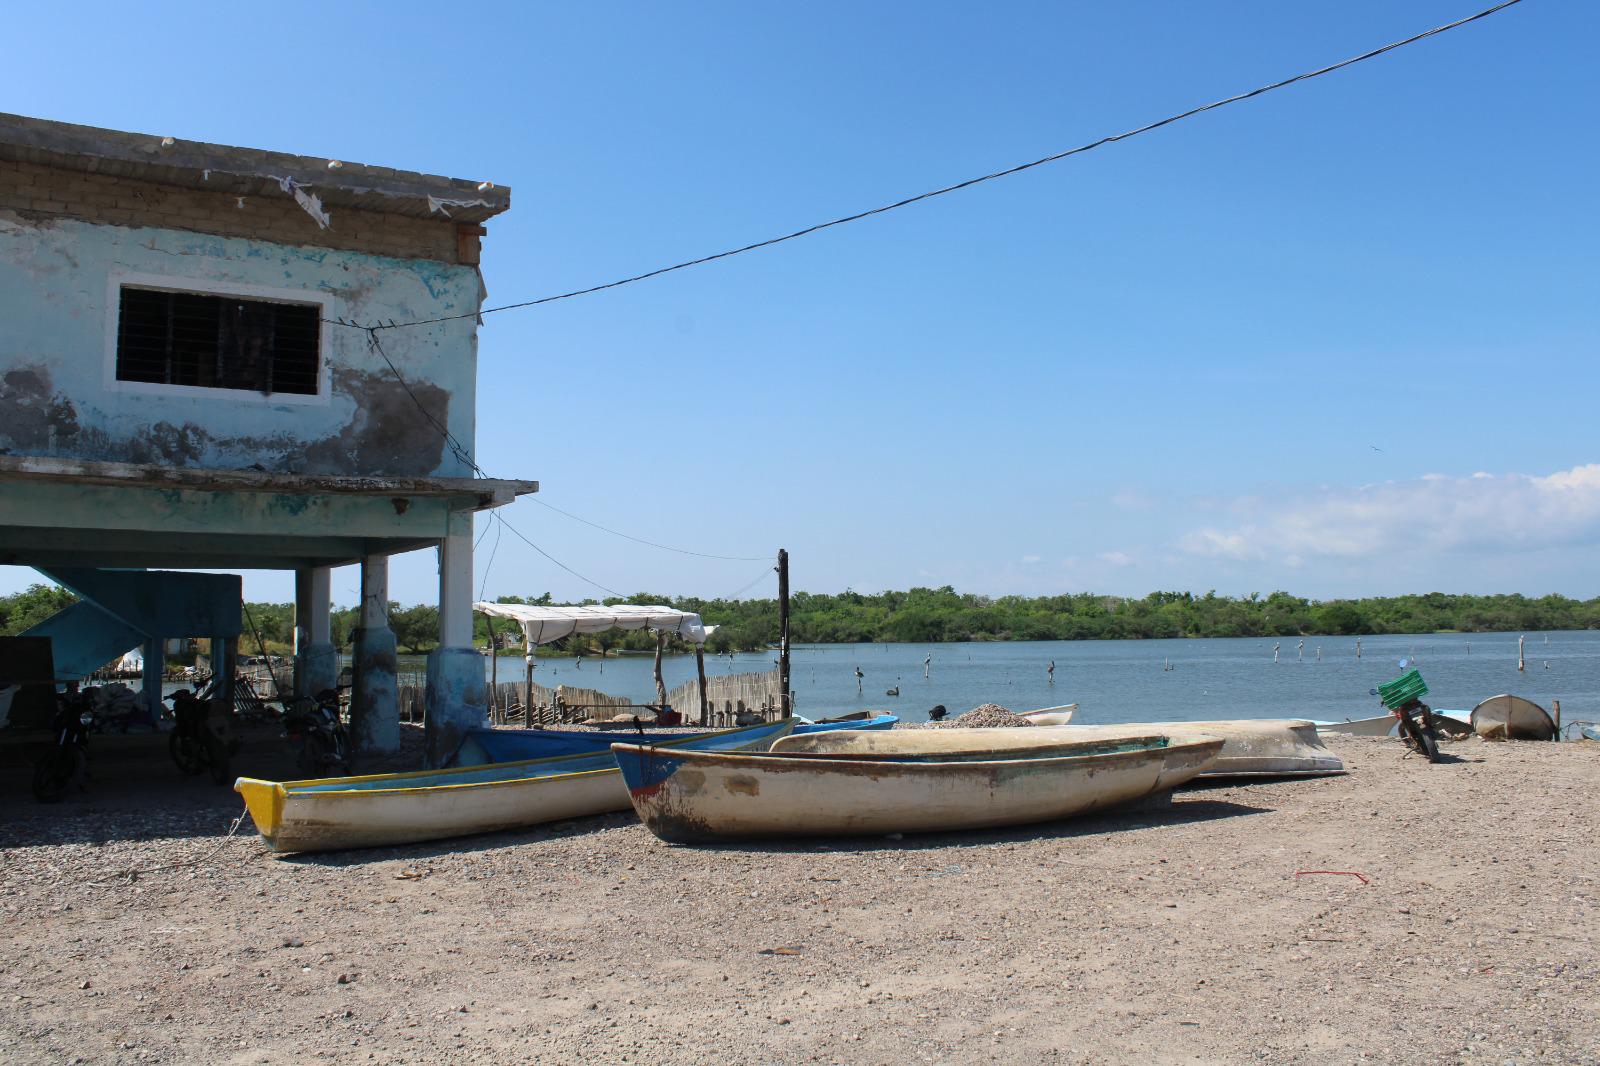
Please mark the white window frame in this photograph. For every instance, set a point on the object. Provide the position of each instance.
(206, 287)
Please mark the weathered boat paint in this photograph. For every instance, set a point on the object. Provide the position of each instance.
(387, 809)
(1252, 747)
(700, 797)
(1507, 717)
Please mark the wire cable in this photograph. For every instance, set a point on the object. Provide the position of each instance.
(748, 585)
(490, 564)
(516, 533)
(969, 183)
(649, 543)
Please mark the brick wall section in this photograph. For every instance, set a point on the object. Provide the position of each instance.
(34, 190)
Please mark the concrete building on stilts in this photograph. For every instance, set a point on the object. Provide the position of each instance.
(181, 393)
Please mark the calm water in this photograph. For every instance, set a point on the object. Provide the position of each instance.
(1120, 681)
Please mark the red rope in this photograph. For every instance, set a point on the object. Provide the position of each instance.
(1338, 873)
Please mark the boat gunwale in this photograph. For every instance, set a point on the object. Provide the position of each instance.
(853, 761)
(305, 787)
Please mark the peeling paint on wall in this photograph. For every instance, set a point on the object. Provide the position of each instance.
(57, 299)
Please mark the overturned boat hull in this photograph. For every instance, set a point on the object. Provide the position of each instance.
(380, 810)
(1507, 717)
(703, 797)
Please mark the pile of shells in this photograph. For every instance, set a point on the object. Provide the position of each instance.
(988, 716)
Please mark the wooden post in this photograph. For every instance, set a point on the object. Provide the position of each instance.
(661, 686)
(700, 668)
(496, 711)
(1555, 706)
(527, 689)
(783, 632)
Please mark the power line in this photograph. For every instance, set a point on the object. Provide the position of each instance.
(747, 587)
(490, 564)
(455, 446)
(650, 543)
(516, 533)
(465, 457)
(970, 182)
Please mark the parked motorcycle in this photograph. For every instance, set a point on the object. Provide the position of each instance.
(63, 765)
(202, 738)
(316, 729)
(1419, 728)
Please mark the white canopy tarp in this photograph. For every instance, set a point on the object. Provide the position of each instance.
(541, 625)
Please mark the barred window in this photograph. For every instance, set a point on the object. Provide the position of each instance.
(218, 342)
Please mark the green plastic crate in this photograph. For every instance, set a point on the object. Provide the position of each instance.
(1402, 690)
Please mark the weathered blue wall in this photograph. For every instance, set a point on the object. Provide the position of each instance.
(57, 343)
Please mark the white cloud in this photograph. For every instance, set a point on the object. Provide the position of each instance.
(1131, 500)
(1030, 558)
(1117, 558)
(1431, 514)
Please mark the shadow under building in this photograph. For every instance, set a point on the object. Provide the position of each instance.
(181, 391)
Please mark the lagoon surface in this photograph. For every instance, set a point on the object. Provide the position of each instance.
(1123, 680)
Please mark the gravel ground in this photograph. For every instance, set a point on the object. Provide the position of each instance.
(1172, 936)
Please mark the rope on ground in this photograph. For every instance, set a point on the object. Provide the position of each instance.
(133, 874)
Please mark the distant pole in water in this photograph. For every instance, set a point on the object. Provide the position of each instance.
(1358, 647)
(1319, 653)
(1275, 648)
(1521, 663)
(1050, 671)
(926, 664)
(1300, 651)
(1469, 647)
(859, 676)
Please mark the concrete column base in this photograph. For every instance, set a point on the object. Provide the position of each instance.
(457, 700)
(155, 662)
(316, 669)
(375, 699)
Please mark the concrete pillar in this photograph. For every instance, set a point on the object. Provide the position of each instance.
(224, 664)
(457, 696)
(375, 700)
(155, 661)
(316, 660)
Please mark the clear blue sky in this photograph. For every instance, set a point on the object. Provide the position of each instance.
(1169, 363)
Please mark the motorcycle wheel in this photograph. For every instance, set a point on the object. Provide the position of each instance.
(55, 774)
(218, 758)
(188, 753)
(1428, 738)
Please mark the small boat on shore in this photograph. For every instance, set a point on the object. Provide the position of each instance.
(1052, 715)
(830, 725)
(1272, 747)
(1383, 725)
(484, 746)
(689, 797)
(1378, 726)
(1507, 717)
(385, 809)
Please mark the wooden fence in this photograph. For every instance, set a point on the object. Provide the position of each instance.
(730, 696)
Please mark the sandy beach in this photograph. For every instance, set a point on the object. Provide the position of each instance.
(1200, 933)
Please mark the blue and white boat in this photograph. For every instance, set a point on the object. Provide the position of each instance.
(483, 746)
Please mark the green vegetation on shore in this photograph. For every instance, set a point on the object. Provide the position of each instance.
(940, 615)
